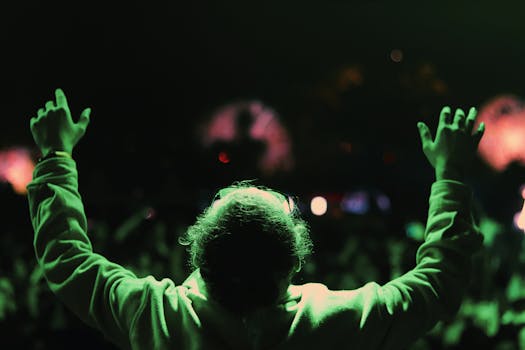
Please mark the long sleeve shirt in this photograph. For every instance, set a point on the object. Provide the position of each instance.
(146, 313)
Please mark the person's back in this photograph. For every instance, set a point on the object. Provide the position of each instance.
(245, 249)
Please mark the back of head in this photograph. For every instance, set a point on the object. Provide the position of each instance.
(247, 243)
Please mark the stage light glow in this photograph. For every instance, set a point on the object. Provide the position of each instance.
(356, 202)
(396, 55)
(224, 157)
(502, 144)
(348, 76)
(16, 167)
(519, 220)
(150, 213)
(318, 205)
(519, 217)
(225, 125)
(383, 202)
(415, 230)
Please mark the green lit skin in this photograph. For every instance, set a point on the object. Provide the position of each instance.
(454, 146)
(53, 128)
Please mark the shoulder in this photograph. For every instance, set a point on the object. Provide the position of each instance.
(320, 303)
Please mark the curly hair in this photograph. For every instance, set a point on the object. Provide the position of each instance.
(251, 236)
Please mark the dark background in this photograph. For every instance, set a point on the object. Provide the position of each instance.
(154, 71)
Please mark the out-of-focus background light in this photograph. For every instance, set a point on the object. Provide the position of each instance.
(502, 144)
(249, 129)
(396, 55)
(519, 217)
(16, 168)
(415, 230)
(224, 157)
(318, 205)
(383, 202)
(356, 202)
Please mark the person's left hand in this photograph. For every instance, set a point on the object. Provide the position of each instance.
(454, 146)
(54, 130)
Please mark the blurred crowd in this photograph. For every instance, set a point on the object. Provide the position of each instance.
(350, 250)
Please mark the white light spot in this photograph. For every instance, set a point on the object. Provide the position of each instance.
(318, 205)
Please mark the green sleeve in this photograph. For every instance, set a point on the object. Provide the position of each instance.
(101, 293)
(434, 289)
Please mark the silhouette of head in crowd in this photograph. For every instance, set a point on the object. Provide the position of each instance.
(248, 244)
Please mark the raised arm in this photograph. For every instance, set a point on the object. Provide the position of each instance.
(103, 294)
(453, 149)
(434, 289)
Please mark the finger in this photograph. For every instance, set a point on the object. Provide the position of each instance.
(471, 119)
(60, 98)
(424, 134)
(444, 117)
(32, 123)
(478, 134)
(459, 118)
(40, 112)
(50, 105)
(83, 121)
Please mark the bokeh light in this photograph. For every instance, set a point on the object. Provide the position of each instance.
(383, 202)
(260, 124)
(16, 167)
(355, 202)
(224, 157)
(502, 144)
(519, 217)
(318, 205)
(396, 55)
(415, 230)
(150, 213)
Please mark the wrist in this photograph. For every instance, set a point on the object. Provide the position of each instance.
(449, 174)
(54, 154)
(54, 147)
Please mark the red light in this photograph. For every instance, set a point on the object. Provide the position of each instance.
(224, 157)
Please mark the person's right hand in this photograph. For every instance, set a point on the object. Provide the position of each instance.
(451, 152)
(54, 129)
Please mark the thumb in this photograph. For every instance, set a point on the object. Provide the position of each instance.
(83, 121)
(478, 134)
(424, 134)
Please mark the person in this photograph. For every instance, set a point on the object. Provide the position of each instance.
(246, 247)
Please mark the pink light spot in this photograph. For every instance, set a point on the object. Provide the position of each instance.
(502, 144)
(222, 126)
(16, 167)
(264, 126)
(150, 214)
(519, 220)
